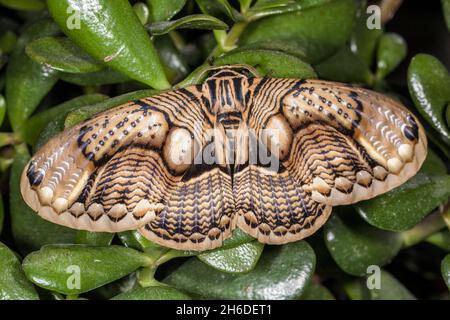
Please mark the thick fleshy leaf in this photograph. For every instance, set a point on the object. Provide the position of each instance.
(218, 8)
(174, 63)
(264, 8)
(73, 269)
(239, 259)
(283, 272)
(111, 32)
(8, 40)
(2, 214)
(317, 292)
(344, 66)
(446, 12)
(27, 81)
(270, 62)
(390, 289)
(433, 164)
(161, 10)
(27, 5)
(364, 40)
(94, 238)
(441, 239)
(30, 232)
(62, 54)
(153, 293)
(309, 29)
(429, 87)
(391, 51)
(13, 283)
(99, 78)
(2, 108)
(83, 113)
(142, 11)
(355, 245)
(445, 268)
(406, 205)
(195, 21)
(37, 123)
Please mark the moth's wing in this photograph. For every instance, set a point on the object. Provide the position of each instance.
(118, 170)
(337, 144)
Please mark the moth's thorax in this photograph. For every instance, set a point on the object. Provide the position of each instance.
(225, 93)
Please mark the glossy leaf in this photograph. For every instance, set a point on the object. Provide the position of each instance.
(441, 239)
(84, 113)
(391, 51)
(317, 292)
(30, 232)
(355, 245)
(390, 289)
(152, 293)
(309, 29)
(133, 239)
(446, 12)
(142, 11)
(445, 269)
(429, 87)
(218, 8)
(99, 78)
(27, 81)
(196, 21)
(13, 283)
(36, 123)
(406, 205)
(94, 238)
(62, 54)
(175, 65)
(344, 66)
(161, 10)
(59, 267)
(264, 8)
(239, 259)
(433, 164)
(283, 272)
(27, 5)
(111, 33)
(270, 62)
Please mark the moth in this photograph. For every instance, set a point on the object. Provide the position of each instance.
(270, 156)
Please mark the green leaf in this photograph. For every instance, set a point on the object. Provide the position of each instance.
(218, 8)
(153, 293)
(99, 78)
(35, 125)
(195, 21)
(62, 54)
(344, 66)
(445, 269)
(309, 29)
(13, 283)
(142, 11)
(355, 245)
(391, 51)
(8, 40)
(27, 81)
(364, 40)
(133, 239)
(283, 272)
(111, 33)
(74, 269)
(94, 238)
(2, 214)
(2, 108)
(174, 63)
(269, 62)
(441, 240)
(405, 206)
(239, 259)
(390, 289)
(265, 8)
(429, 87)
(446, 12)
(86, 112)
(433, 164)
(317, 292)
(27, 5)
(161, 10)
(30, 232)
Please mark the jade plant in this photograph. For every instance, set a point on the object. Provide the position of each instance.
(63, 61)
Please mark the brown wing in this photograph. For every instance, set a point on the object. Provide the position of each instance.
(335, 144)
(132, 165)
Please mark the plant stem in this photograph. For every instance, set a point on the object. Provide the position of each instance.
(228, 42)
(430, 225)
(146, 277)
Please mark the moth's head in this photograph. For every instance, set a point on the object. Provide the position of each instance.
(226, 90)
